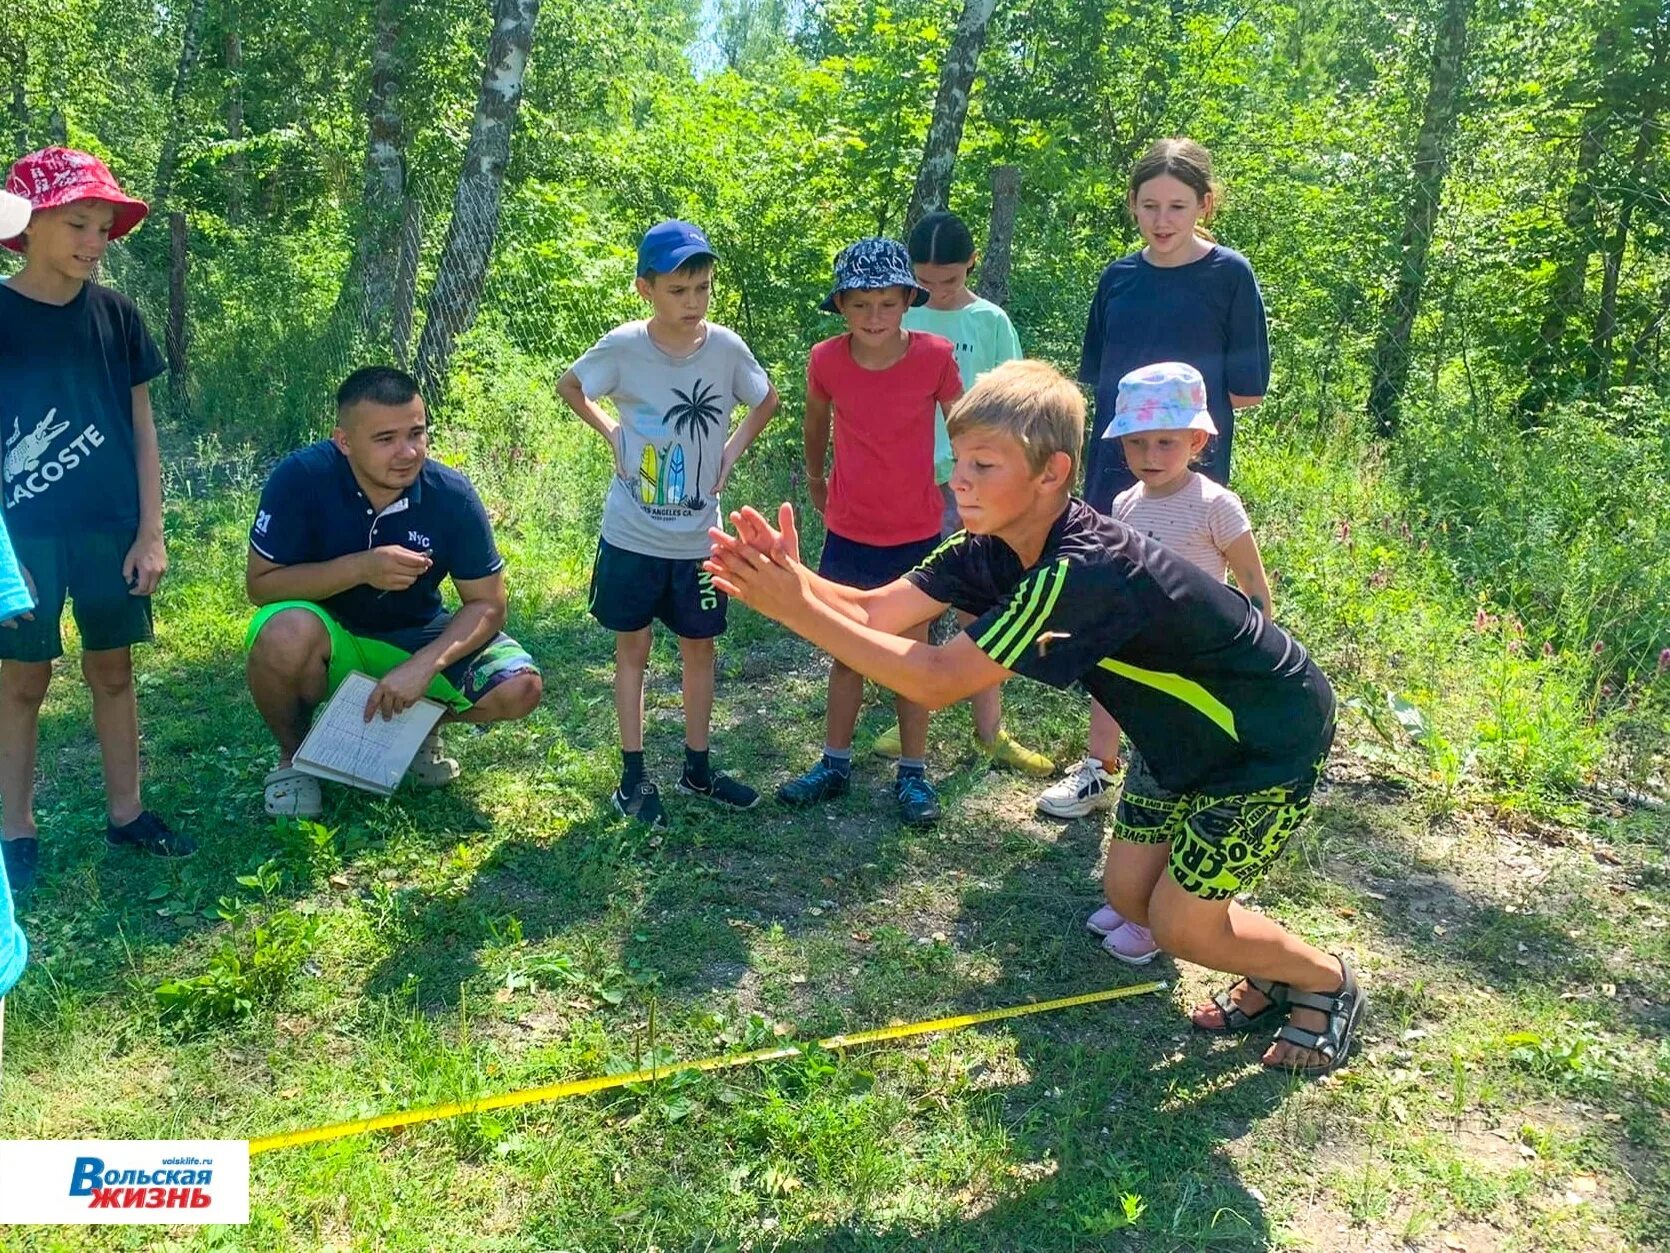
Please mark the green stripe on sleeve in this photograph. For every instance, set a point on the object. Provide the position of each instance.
(1052, 592)
(1013, 633)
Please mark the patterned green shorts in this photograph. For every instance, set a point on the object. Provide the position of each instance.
(1220, 845)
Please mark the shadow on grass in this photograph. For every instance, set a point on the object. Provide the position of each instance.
(1118, 1136)
(1538, 931)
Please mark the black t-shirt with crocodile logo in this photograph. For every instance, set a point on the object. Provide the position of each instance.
(67, 374)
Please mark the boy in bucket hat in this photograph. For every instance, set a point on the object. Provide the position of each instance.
(1162, 423)
(878, 385)
(83, 489)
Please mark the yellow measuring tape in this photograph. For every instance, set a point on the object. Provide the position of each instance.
(602, 1083)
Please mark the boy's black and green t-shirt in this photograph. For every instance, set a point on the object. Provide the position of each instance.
(1218, 699)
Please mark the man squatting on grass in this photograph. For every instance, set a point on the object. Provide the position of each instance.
(351, 541)
(1228, 710)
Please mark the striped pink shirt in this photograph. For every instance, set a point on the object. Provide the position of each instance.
(1199, 521)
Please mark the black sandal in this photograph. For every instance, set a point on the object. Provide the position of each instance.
(1344, 1010)
(1236, 1020)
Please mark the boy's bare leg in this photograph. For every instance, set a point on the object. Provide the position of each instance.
(913, 718)
(1104, 736)
(631, 661)
(287, 673)
(846, 697)
(109, 675)
(1224, 936)
(23, 687)
(697, 657)
(987, 706)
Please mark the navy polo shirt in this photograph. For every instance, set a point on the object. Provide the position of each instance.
(312, 510)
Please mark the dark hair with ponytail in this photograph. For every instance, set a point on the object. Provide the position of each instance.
(940, 238)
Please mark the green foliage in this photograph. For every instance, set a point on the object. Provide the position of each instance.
(263, 950)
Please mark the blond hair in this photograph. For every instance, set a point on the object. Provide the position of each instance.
(1032, 402)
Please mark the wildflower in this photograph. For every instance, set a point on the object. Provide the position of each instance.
(1599, 648)
(1663, 660)
(1481, 620)
(1548, 648)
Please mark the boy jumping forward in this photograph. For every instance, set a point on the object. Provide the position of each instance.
(1229, 711)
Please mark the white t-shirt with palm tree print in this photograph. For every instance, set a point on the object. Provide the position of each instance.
(675, 414)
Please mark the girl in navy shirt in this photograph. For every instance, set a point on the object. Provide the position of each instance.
(1181, 297)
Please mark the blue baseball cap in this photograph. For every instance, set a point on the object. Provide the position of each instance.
(668, 245)
(874, 264)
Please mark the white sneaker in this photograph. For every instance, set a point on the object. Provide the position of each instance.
(1087, 787)
(1105, 921)
(432, 767)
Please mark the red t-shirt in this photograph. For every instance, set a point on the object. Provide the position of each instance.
(882, 489)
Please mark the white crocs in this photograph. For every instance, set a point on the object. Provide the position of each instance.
(293, 794)
(432, 767)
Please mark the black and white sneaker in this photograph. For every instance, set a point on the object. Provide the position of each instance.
(722, 790)
(1086, 788)
(641, 804)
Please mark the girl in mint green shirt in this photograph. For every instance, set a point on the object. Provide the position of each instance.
(942, 254)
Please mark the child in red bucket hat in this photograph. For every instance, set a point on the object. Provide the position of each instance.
(82, 490)
(54, 178)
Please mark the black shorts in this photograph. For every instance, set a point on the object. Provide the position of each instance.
(866, 566)
(631, 590)
(84, 569)
(1220, 845)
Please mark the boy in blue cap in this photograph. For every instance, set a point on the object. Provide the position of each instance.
(674, 379)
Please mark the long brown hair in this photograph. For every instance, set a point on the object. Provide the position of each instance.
(1186, 161)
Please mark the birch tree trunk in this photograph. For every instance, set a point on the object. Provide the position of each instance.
(191, 43)
(462, 271)
(405, 282)
(237, 166)
(1000, 237)
(371, 279)
(956, 81)
(1431, 163)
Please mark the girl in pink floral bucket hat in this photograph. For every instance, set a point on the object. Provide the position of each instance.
(1162, 423)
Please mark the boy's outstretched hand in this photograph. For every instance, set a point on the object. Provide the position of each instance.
(760, 564)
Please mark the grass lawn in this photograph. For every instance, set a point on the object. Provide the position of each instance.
(1512, 1092)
